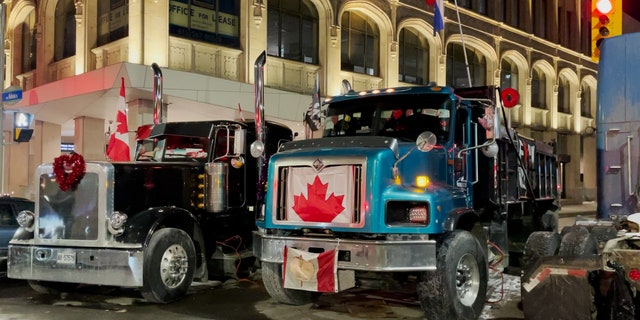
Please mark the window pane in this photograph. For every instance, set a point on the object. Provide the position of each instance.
(212, 21)
(411, 58)
(113, 20)
(293, 31)
(291, 37)
(29, 42)
(359, 45)
(65, 30)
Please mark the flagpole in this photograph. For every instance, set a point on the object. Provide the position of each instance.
(464, 49)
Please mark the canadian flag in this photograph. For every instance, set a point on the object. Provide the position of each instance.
(310, 271)
(325, 196)
(118, 149)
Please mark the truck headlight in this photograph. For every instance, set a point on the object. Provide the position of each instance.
(116, 223)
(26, 219)
(407, 213)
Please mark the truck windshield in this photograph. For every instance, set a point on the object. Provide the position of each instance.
(402, 117)
(173, 148)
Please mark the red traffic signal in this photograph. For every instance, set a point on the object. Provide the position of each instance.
(606, 21)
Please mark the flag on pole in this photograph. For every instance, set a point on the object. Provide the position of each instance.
(118, 149)
(312, 117)
(438, 15)
(310, 271)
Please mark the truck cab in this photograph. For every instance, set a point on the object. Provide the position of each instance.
(400, 177)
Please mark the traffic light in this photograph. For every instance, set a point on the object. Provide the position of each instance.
(21, 123)
(606, 21)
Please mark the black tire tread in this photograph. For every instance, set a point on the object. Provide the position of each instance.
(436, 289)
(153, 289)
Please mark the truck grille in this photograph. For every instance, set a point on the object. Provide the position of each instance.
(74, 216)
(68, 214)
(320, 195)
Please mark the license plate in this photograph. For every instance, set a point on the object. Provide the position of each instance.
(66, 258)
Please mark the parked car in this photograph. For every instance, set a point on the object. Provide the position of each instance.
(9, 209)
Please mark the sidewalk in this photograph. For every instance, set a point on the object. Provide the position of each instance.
(587, 209)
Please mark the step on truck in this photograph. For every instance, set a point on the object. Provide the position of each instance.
(183, 210)
(406, 184)
(591, 269)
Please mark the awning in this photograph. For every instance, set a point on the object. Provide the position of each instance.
(189, 96)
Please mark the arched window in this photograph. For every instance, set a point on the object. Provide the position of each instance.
(413, 57)
(457, 76)
(65, 30)
(508, 74)
(113, 20)
(360, 43)
(211, 21)
(292, 32)
(564, 101)
(28, 28)
(585, 101)
(538, 89)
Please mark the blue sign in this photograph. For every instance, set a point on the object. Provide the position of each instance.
(12, 95)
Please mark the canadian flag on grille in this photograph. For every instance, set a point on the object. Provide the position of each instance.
(118, 149)
(310, 271)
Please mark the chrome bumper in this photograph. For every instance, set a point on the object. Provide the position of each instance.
(110, 267)
(372, 255)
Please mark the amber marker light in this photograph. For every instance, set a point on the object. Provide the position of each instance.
(422, 181)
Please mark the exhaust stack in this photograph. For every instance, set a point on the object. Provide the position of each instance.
(258, 147)
(157, 93)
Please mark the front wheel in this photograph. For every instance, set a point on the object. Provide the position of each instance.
(459, 285)
(169, 266)
(272, 279)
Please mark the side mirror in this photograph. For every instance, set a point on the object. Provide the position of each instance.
(426, 141)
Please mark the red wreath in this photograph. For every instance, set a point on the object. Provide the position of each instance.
(69, 170)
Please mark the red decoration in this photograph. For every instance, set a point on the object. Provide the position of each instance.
(510, 97)
(318, 208)
(69, 170)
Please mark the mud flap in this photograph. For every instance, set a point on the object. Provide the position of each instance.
(554, 280)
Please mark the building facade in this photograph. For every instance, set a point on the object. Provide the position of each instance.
(68, 56)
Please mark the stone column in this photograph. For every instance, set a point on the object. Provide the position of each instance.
(89, 139)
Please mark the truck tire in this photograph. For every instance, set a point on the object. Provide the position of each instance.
(578, 242)
(50, 287)
(169, 266)
(459, 285)
(273, 283)
(539, 244)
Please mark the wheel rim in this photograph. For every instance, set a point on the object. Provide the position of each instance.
(174, 266)
(467, 280)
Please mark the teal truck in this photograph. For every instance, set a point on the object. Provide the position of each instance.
(423, 184)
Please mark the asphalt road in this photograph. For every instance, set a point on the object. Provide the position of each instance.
(238, 300)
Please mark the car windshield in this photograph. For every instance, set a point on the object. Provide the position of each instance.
(403, 117)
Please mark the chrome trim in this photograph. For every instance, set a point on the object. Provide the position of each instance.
(365, 255)
(111, 267)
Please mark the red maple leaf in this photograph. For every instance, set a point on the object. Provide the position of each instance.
(317, 208)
